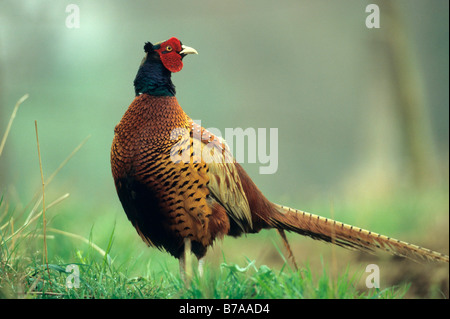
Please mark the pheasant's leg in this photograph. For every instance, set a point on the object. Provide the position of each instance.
(182, 262)
(201, 262)
(186, 262)
(288, 247)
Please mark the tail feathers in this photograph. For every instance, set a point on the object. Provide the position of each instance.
(348, 236)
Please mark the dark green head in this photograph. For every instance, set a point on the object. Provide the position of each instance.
(161, 60)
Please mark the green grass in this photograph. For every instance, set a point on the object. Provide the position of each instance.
(102, 275)
(100, 279)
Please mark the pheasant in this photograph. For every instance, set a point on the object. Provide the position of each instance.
(182, 189)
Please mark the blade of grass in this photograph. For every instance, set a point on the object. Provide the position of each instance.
(5, 209)
(85, 240)
(44, 220)
(11, 119)
(106, 259)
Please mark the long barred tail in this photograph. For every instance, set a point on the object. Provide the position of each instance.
(348, 236)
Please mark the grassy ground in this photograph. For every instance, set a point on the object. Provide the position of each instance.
(112, 262)
(101, 278)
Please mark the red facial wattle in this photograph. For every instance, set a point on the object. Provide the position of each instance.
(169, 52)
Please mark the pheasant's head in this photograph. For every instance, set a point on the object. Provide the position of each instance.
(170, 52)
(160, 61)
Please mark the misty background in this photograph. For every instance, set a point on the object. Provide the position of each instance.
(312, 69)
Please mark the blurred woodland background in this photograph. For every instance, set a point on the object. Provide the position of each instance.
(362, 114)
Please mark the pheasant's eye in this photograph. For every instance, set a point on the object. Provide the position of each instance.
(168, 48)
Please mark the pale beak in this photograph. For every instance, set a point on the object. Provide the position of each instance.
(187, 50)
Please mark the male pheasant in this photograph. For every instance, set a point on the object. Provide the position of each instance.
(181, 188)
